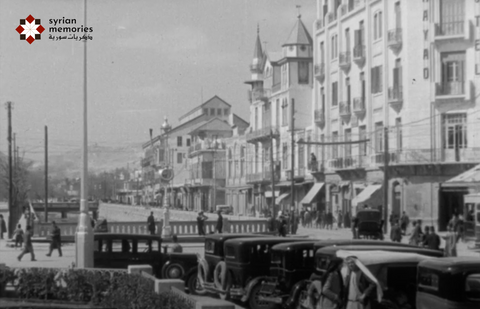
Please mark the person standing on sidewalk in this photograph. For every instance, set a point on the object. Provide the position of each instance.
(18, 236)
(55, 239)
(3, 227)
(201, 223)
(396, 232)
(219, 227)
(151, 224)
(28, 245)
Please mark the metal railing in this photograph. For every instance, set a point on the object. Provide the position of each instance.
(319, 69)
(262, 133)
(450, 28)
(395, 94)
(206, 145)
(359, 105)
(319, 115)
(451, 88)
(345, 108)
(359, 52)
(319, 24)
(345, 59)
(259, 94)
(428, 156)
(332, 16)
(394, 37)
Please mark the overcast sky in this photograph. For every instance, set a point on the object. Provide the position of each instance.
(147, 59)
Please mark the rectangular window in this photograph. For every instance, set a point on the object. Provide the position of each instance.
(348, 90)
(303, 72)
(301, 156)
(284, 155)
(284, 112)
(322, 97)
(277, 110)
(284, 75)
(398, 128)
(225, 112)
(362, 135)
(219, 112)
(212, 111)
(377, 25)
(322, 52)
(348, 147)
(334, 147)
(205, 111)
(377, 79)
(453, 74)
(188, 142)
(363, 92)
(455, 131)
(334, 93)
(379, 137)
(179, 158)
(179, 141)
(334, 46)
(452, 17)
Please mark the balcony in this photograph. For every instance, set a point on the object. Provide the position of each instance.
(456, 30)
(256, 68)
(319, 24)
(319, 115)
(345, 60)
(359, 55)
(331, 16)
(263, 177)
(315, 167)
(346, 163)
(146, 162)
(262, 134)
(359, 106)
(259, 94)
(395, 96)
(455, 90)
(394, 39)
(205, 146)
(428, 156)
(319, 70)
(343, 10)
(345, 110)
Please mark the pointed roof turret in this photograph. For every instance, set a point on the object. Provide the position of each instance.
(258, 52)
(299, 34)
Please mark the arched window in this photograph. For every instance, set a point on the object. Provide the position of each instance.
(230, 175)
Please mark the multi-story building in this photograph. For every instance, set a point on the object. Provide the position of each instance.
(278, 80)
(196, 152)
(396, 82)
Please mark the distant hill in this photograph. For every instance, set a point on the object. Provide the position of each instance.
(100, 159)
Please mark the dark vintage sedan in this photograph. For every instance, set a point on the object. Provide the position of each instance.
(122, 250)
(247, 262)
(293, 264)
(449, 283)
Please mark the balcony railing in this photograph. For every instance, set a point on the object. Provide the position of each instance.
(262, 133)
(428, 156)
(319, 117)
(348, 162)
(319, 24)
(319, 70)
(315, 167)
(455, 28)
(345, 109)
(345, 60)
(256, 67)
(395, 95)
(332, 16)
(455, 88)
(259, 94)
(206, 145)
(262, 177)
(395, 38)
(359, 106)
(343, 9)
(359, 54)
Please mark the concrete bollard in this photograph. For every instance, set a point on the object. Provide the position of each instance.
(137, 269)
(165, 285)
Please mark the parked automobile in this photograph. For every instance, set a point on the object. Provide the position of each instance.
(370, 224)
(247, 261)
(449, 283)
(214, 254)
(293, 264)
(122, 250)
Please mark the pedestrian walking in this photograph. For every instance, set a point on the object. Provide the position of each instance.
(432, 241)
(424, 236)
(396, 232)
(18, 236)
(201, 223)
(55, 239)
(219, 227)
(340, 219)
(450, 243)
(329, 219)
(417, 234)
(28, 247)
(355, 227)
(151, 224)
(282, 229)
(3, 227)
(332, 293)
(404, 221)
(460, 228)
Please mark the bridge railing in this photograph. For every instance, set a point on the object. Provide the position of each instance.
(178, 227)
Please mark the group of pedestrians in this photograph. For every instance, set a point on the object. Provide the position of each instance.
(324, 219)
(201, 218)
(26, 239)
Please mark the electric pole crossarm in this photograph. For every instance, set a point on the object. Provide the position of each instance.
(333, 143)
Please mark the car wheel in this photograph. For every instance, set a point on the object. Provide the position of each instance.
(193, 285)
(173, 271)
(254, 301)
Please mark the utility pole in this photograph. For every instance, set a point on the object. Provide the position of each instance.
(385, 180)
(292, 131)
(46, 174)
(15, 155)
(11, 218)
(272, 167)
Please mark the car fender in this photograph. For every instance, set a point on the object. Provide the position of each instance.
(250, 285)
(295, 292)
(171, 264)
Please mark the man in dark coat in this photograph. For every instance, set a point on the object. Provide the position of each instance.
(3, 227)
(28, 246)
(55, 239)
(201, 223)
(396, 232)
(151, 224)
(219, 226)
(432, 241)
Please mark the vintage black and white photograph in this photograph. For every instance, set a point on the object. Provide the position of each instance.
(240, 154)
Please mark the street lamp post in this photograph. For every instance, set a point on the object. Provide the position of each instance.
(166, 230)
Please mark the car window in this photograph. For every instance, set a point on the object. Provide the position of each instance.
(209, 246)
(97, 246)
(148, 246)
(427, 279)
(229, 252)
(122, 245)
(472, 287)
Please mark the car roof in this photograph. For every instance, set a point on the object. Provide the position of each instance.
(295, 245)
(218, 237)
(452, 264)
(343, 242)
(331, 250)
(126, 236)
(382, 257)
(261, 240)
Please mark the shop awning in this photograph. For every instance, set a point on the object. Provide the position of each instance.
(366, 194)
(312, 193)
(281, 197)
(268, 194)
(470, 178)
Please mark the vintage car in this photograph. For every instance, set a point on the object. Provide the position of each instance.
(370, 224)
(393, 274)
(121, 250)
(214, 254)
(293, 264)
(247, 260)
(449, 283)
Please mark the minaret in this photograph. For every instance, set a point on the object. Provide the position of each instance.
(256, 69)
